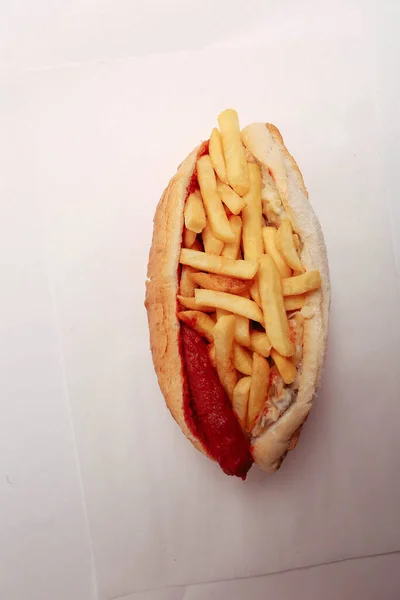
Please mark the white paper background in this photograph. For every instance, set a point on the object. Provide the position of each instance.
(94, 145)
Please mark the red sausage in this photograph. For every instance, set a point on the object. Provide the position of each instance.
(211, 408)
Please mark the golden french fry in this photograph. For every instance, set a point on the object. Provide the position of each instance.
(230, 198)
(195, 217)
(296, 241)
(276, 322)
(186, 284)
(258, 390)
(242, 359)
(240, 400)
(211, 354)
(235, 160)
(253, 246)
(234, 304)
(294, 302)
(285, 245)
(259, 342)
(198, 321)
(217, 155)
(254, 293)
(301, 284)
(197, 245)
(231, 249)
(242, 269)
(224, 333)
(216, 214)
(286, 368)
(191, 304)
(221, 283)
(212, 245)
(188, 238)
(242, 330)
(269, 235)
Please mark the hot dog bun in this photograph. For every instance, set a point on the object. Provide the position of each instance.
(265, 144)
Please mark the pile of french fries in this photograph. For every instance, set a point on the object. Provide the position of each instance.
(242, 283)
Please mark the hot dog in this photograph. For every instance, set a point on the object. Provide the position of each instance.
(261, 274)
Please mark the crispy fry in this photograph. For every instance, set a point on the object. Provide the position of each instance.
(276, 322)
(191, 304)
(188, 238)
(197, 245)
(296, 241)
(211, 354)
(255, 293)
(242, 269)
(230, 198)
(235, 304)
(186, 284)
(286, 368)
(195, 217)
(253, 246)
(269, 235)
(294, 302)
(240, 400)
(285, 245)
(216, 214)
(221, 283)
(242, 359)
(235, 161)
(242, 330)
(231, 249)
(301, 284)
(224, 332)
(217, 155)
(212, 245)
(198, 321)
(258, 389)
(259, 342)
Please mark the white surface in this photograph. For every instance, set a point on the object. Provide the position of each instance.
(90, 159)
(368, 578)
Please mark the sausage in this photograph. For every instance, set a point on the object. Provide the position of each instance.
(211, 408)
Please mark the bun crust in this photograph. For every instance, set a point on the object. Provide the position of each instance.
(266, 145)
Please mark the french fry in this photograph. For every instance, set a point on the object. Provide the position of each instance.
(254, 293)
(186, 284)
(242, 359)
(269, 235)
(242, 330)
(286, 368)
(188, 238)
(240, 400)
(296, 241)
(285, 245)
(230, 198)
(217, 155)
(216, 214)
(258, 389)
(197, 245)
(198, 321)
(212, 245)
(253, 246)
(211, 354)
(235, 160)
(259, 342)
(234, 304)
(195, 217)
(294, 302)
(242, 269)
(231, 249)
(191, 304)
(301, 284)
(276, 322)
(221, 283)
(224, 333)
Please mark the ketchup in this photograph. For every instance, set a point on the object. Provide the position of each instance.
(208, 405)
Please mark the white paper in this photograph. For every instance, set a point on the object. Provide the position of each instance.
(108, 137)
